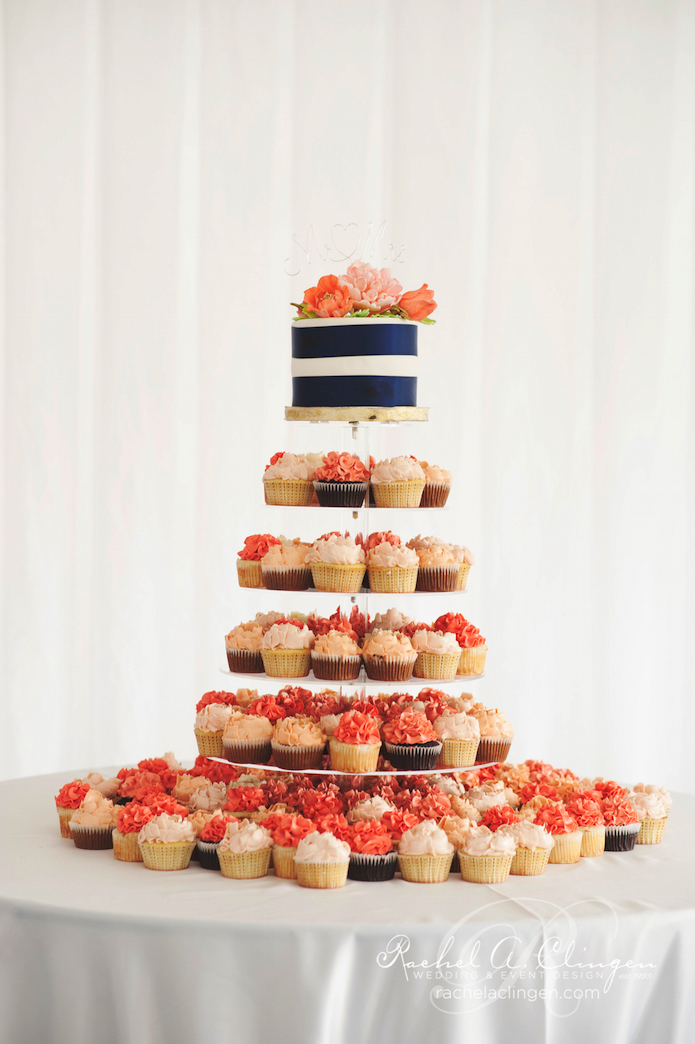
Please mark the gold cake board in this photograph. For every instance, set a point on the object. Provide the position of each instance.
(357, 414)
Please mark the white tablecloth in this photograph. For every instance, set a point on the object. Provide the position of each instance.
(94, 950)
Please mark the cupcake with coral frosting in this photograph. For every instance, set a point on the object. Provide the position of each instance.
(566, 833)
(287, 831)
(130, 820)
(298, 743)
(460, 736)
(210, 723)
(372, 857)
(425, 854)
(208, 840)
(244, 851)
(92, 823)
(243, 645)
(496, 733)
(248, 563)
(397, 821)
(322, 861)
(167, 842)
(392, 568)
(438, 655)
(356, 742)
(411, 742)
(68, 800)
(622, 824)
(534, 845)
(284, 567)
(651, 805)
(438, 569)
(245, 799)
(341, 481)
(587, 812)
(289, 480)
(336, 657)
(398, 483)
(337, 564)
(471, 642)
(486, 856)
(388, 656)
(246, 739)
(437, 485)
(286, 649)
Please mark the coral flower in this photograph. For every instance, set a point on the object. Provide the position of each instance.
(329, 300)
(418, 303)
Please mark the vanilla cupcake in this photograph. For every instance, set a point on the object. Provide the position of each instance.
(392, 568)
(209, 798)
(355, 743)
(322, 861)
(246, 739)
(186, 785)
(496, 734)
(437, 485)
(284, 567)
(398, 483)
(391, 620)
(210, 723)
(425, 854)
(244, 851)
(534, 844)
(243, 644)
(487, 796)
(652, 807)
(369, 809)
(286, 650)
(460, 736)
(438, 655)
(289, 480)
(336, 657)
(438, 569)
(464, 559)
(388, 656)
(337, 564)
(486, 857)
(93, 823)
(167, 843)
(298, 743)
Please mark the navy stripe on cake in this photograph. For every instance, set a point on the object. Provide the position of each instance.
(372, 338)
(354, 391)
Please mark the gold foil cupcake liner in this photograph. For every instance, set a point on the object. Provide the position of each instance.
(458, 753)
(286, 663)
(335, 668)
(593, 841)
(65, 815)
(342, 579)
(283, 861)
(425, 869)
(246, 752)
(289, 492)
(472, 661)
(464, 570)
(209, 743)
(651, 831)
(433, 666)
(245, 661)
(354, 757)
(249, 573)
(485, 869)
(381, 668)
(287, 578)
(437, 578)
(435, 494)
(321, 875)
(529, 862)
(242, 866)
(567, 848)
(398, 494)
(126, 847)
(94, 837)
(392, 579)
(170, 855)
(297, 758)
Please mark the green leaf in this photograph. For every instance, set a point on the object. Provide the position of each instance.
(428, 321)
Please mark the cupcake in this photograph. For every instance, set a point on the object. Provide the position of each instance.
(130, 820)
(438, 569)
(397, 821)
(287, 831)
(370, 808)
(652, 808)
(437, 655)
(392, 568)
(245, 798)
(186, 786)
(244, 851)
(209, 798)
(437, 485)
(298, 743)
(243, 645)
(567, 835)
(496, 733)
(210, 724)
(286, 650)
(411, 742)
(337, 564)
(68, 799)
(464, 559)
(622, 824)
(486, 856)
(391, 620)
(534, 845)
(248, 564)
(355, 743)
(208, 841)
(398, 483)
(289, 480)
(456, 827)
(471, 642)
(425, 854)
(372, 857)
(589, 817)
(246, 739)
(284, 567)
(388, 656)
(486, 796)
(341, 481)
(459, 734)
(167, 843)
(322, 861)
(336, 657)
(92, 824)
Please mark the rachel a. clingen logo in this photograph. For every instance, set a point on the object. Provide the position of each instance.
(561, 956)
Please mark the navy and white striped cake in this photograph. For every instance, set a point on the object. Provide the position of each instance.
(354, 362)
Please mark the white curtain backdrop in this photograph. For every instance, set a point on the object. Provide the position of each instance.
(535, 158)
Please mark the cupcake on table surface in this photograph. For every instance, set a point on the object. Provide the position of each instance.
(208, 840)
(68, 800)
(392, 568)
(372, 856)
(534, 845)
(130, 820)
(472, 644)
(496, 733)
(438, 654)
(411, 742)
(244, 851)
(652, 806)
(209, 798)
(388, 656)
(459, 734)
(248, 563)
(287, 830)
(587, 812)
(210, 723)
(488, 795)
(336, 657)
(341, 481)
(425, 854)
(622, 824)
(486, 856)
(284, 567)
(565, 830)
(167, 842)
(298, 743)
(322, 861)
(108, 788)
(356, 743)
(93, 822)
(437, 485)
(289, 480)
(398, 483)
(337, 564)
(246, 738)
(186, 786)
(243, 646)
(286, 649)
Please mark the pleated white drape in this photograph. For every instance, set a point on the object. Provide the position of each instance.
(536, 159)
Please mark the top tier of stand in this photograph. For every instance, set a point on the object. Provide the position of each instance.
(357, 414)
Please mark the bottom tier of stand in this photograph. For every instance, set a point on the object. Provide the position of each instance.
(253, 680)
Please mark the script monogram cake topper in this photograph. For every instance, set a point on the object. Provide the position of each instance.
(345, 243)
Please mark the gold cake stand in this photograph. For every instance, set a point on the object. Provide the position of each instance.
(357, 414)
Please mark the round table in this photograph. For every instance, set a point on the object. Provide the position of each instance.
(98, 950)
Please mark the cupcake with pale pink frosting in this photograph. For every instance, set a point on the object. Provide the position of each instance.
(398, 482)
(337, 564)
(209, 728)
(209, 798)
(486, 856)
(425, 854)
(437, 485)
(289, 480)
(651, 805)
(298, 743)
(496, 733)
(286, 649)
(336, 657)
(167, 842)
(392, 568)
(243, 645)
(438, 568)
(438, 655)
(322, 861)
(93, 823)
(534, 845)
(391, 620)
(388, 656)
(460, 736)
(246, 739)
(284, 567)
(244, 851)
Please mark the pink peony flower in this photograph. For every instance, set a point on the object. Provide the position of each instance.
(370, 287)
(329, 300)
(418, 303)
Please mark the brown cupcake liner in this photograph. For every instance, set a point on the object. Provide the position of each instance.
(380, 668)
(335, 668)
(245, 661)
(621, 838)
(437, 578)
(287, 578)
(246, 752)
(93, 837)
(297, 758)
(413, 757)
(249, 573)
(435, 494)
(492, 750)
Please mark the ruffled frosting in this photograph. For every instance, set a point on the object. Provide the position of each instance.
(433, 473)
(245, 636)
(486, 796)
(214, 830)
(480, 841)
(108, 788)
(186, 785)
(397, 469)
(287, 636)
(459, 726)
(435, 642)
(289, 466)
(132, 817)
(213, 718)
(408, 727)
(618, 812)
(651, 788)
(456, 829)
(245, 836)
(328, 723)
(369, 838)
(468, 636)
(529, 835)
(357, 728)
(341, 467)
(391, 620)
(256, 546)
(166, 829)
(298, 732)
(556, 819)
(207, 799)
(493, 723)
(95, 810)
(285, 555)
(380, 537)
(336, 643)
(264, 621)
(248, 727)
(650, 806)
(289, 830)
(391, 644)
(441, 557)
(336, 550)
(464, 808)
(322, 848)
(370, 808)
(585, 810)
(391, 555)
(72, 794)
(425, 839)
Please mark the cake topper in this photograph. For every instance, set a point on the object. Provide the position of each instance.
(345, 243)
(365, 292)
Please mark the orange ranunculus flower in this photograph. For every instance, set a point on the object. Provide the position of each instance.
(329, 299)
(418, 303)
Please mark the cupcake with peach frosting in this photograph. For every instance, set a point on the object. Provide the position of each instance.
(392, 568)
(391, 620)
(336, 657)
(486, 856)
(108, 788)
(92, 824)
(398, 482)
(652, 810)
(266, 620)
(487, 795)
(438, 485)
(322, 861)
(244, 851)
(341, 481)
(457, 829)
(209, 727)
(243, 645)
(337, 564)
(356, 743)
(286, 650)
(208, 799)
(246, 739)
(289, 480)
(388, 656)
(186, 785)
(284, 567)
(438, 568)
(298, 743)
(460, 735)
(496, 733)
(464, 808)
(411, 742)
(534, 845)
(167, 842)
(425, 854)
(438, 655)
